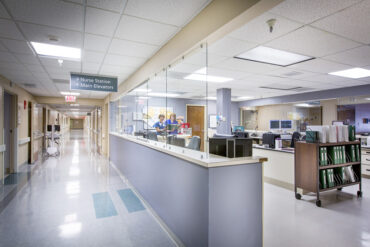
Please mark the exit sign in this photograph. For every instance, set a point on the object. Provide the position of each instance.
(70, 98)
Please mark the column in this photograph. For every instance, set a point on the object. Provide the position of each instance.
(224, 110)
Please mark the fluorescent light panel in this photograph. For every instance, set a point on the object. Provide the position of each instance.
(57, 51)
(269, 55)
(201, 75)
(70, 93)
(354, 73)
(244, 98)
(170, 95)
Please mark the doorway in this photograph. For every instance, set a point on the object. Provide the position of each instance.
(195, 116)
(10, 138)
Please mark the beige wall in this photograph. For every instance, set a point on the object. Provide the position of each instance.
(77, 123)
(23, 126)
(329, 111)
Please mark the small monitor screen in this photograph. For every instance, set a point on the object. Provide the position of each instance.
(49, 128)
(238, 129)
(57, 128)
(286, 124)
(274, 124)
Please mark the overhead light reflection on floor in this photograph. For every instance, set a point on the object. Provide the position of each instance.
(73, 188)
(70, 226)
(74, 171)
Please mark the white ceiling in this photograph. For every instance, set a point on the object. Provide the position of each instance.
(335, 32)
(116, 37)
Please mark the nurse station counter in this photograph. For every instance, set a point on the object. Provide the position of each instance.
(204, 199)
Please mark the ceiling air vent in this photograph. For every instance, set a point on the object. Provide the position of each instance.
(293, 73)
(29, 85)
(286, 88)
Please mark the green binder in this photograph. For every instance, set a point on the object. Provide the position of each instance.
(351, 133)
(323, 179)
(358, 158)
(331, 154)
(351, 153)
(330, 177)
(339, 150)
(340, 172)
(322, 156)
(344, 154)
(326, 155)
(353, 149)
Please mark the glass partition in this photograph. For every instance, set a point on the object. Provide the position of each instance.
(170, 109)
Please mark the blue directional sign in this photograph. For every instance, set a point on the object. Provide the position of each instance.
(93, 83)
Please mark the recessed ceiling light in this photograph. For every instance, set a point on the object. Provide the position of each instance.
(212, 98)
(57, 51)
(354, 73)
(70, 93)
(304, 105)
(273, 56)
(170, 95)
(201, 75)
(244, 98)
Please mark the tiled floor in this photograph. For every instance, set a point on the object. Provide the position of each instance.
(55, 206)
(52, 204)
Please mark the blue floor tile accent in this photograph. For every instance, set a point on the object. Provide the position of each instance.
(103, 205)
(130, 200)
(14, 178)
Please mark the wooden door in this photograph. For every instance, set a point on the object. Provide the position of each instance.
(195, 117)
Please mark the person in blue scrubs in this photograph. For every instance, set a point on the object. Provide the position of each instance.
(160, 125)
(172, 121)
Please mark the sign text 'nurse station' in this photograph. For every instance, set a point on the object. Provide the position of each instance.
(93, 83)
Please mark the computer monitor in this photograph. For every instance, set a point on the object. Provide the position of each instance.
(49, 128)
(286, 124)
(217, 146)
(274, 124)
(238, 129)
(57, 127)
(243, 147)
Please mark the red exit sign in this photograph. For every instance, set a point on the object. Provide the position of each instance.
(70, 98)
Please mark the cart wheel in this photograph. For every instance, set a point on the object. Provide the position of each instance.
(318, 203)
(298, 196)
(359, 193)
(340, 189)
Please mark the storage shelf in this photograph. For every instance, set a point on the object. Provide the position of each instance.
(340, 186)
(338, 144)
(340, 165)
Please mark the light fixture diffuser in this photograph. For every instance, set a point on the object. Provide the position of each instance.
(273, 56)
(354, 73)
(57, 51)
(70, 93)
(169, 95)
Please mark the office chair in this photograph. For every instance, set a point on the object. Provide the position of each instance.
(194, 143)
(152, 136)
(295, 137)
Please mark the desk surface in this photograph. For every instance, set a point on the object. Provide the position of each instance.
(287, 150)
(196, 157)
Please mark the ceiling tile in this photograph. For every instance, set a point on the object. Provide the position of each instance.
(16, 46)
(96, 42)
(257, 31)
(134, 49)
(112, 59)
(7, 57)
(112, 5)
(92, 56)
(35, 68)
(166, 11)
(41, 34)
(308, 11)
(245, 66)
(3, 12)
(2, 47)
(359, 56)
(52, 13)
(9, 30)
(353, 22)
(116, 70)
(230, 47)
(320, 66)
(136, 29)
(53, 63)
(291, 73)
(312, 42)
(325, 78)
(27, 58)
(100, 21)
(92, 68)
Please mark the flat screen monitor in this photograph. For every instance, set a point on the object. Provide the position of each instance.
(218, 146)
(57, 128)
(238, 129)
(49, 128)
(286, 124)
(274, 124)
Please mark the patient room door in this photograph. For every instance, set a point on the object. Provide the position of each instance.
(195, 117)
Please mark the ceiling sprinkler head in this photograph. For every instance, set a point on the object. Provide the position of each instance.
(271, 24)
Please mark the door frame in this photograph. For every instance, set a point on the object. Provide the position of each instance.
(13, 166)
(205, 134)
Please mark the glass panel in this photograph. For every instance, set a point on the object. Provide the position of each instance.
(187, 100)
(157, 111)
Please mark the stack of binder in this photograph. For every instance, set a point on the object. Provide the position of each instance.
(324, 156)
(353, 152)
(337, 155)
